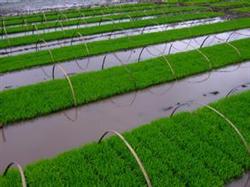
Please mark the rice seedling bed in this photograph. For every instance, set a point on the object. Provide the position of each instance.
(52, 36)
(82, 20)
(196, 149)
(94, 48)
(55, 95)
(96, 63)
(55, 15)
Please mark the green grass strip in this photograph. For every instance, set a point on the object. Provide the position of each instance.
(47, 97)
(78, 51)
(190, 149)
(55, 15)
(137, 14)
(52, 36)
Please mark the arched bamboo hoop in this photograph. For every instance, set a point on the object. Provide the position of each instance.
(169, 65)
(203, 43)
(235, 49)
(78, 34)
(131, 77)
(66, 76)
(166, 61)
(229, 122)
(20, 170)
(71, 89)
(132, 151)
(39, 41)
(229, 44)
(210, 66)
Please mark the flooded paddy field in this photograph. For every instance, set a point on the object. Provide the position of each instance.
(25, 6)
(170, 89)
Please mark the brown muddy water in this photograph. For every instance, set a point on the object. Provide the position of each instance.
(48, 136)
(35, 75)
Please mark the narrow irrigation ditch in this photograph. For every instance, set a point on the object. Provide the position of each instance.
(74, 76)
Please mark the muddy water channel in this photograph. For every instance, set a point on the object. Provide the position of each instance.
(40, 74)
(105, 36)
(47, 136)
